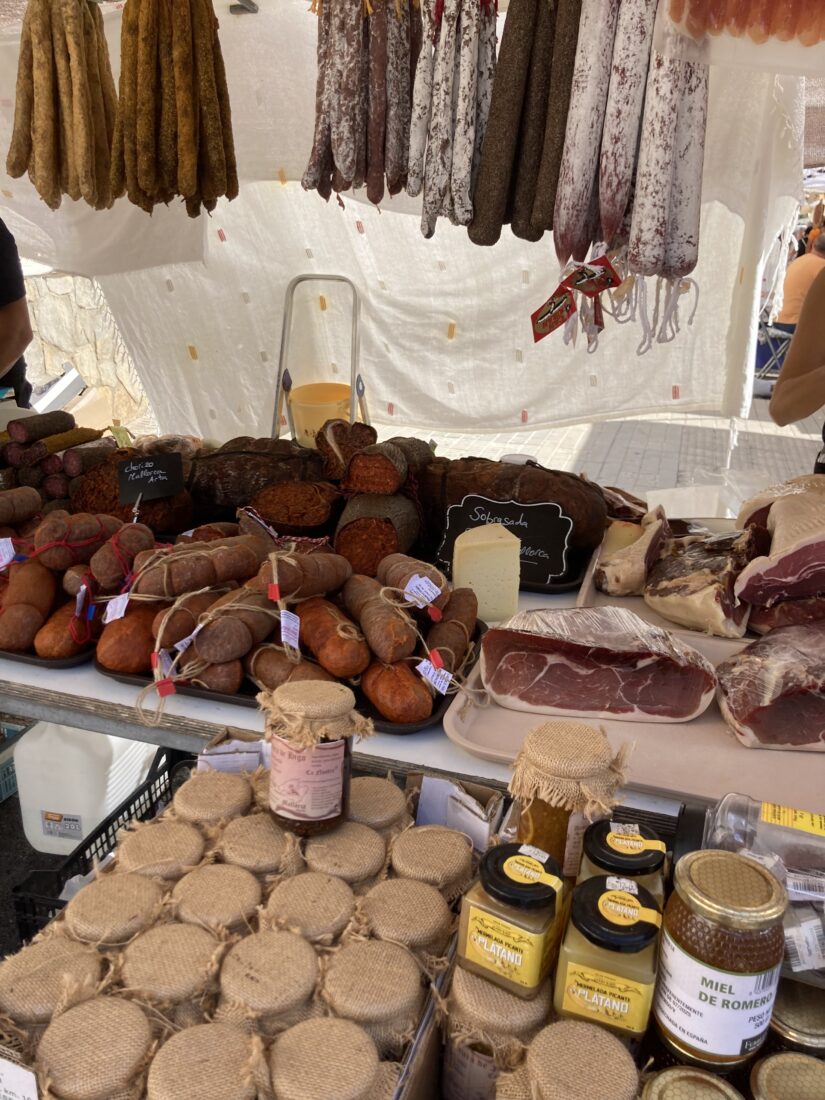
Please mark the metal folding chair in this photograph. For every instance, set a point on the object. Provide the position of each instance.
(772, 348)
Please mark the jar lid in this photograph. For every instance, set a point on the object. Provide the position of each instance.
(35, 981)
(572, 1060)
(624, 849)
(799, 1015)
(205, 1060)
(324, 1059)
(113, 908)
(434, 854)
(514, 1085)
(209, 797)
(352, 852)
(160, 849)
(686, 1083)
(96, 1050)
(522, 876)
(788, 1077)
(730, 889)
(269, 972)
(376, 802)
(218, 896)
(316, 905)
(616, 914)
(314, 699)
(372, 981)
(255, 842)
(170, 963)
(409, 912)
(476, 1004)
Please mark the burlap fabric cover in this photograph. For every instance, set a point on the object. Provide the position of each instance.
(376, 802)
(113, 909)
(173, 966)
(209, 797)
(569, 764)
(515, 1085)
(209, 1062)
(351, 852)
(46, 976)
(434, 854)
(318, 906)
(323, 1060)
(305, 712)
(161, 849)
(378, 985)
(99, 1050)
(480, 1012)
(577, 1061)
(258, 844)
(266, 976)
(217, 896)
(409, 912)
(386, 1082)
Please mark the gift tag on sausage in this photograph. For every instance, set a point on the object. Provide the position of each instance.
(593, 278)
(6, 552)
(421, 590)
(116, 608)
(440, 678)
(553, 314)
(80, 600)
(290, 629)
(185, 643)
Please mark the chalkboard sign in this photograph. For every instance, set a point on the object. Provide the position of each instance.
(544, 531)
(149, 477)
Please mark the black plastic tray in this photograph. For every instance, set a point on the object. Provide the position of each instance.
(246, 697)
(571, 583)
(44, 662)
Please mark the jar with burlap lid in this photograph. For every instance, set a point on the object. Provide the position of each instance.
(484, 1014)
(162, 849)
(267, 982)
(570, 1060)
(317, 906)
(218, 896)
(99, 1050)
(324, 1059)
(435, 854)
(409, 912)
(514, 1085)
(379, 986)
(207, 798)
(173, 967)
(259, 845)
(353, 852)
(209, 1061)
(564, 767)
(46, 977)
(310, 726)
(111, 910)
(378, 803)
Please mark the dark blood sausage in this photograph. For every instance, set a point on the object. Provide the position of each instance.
(377, 111)
(319, 170)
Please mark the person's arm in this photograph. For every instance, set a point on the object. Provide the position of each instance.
(15, 333)
(800, 388)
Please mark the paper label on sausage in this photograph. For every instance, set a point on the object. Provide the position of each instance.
(421, 591)
(6, 552)
(116, 608)
(290, 629)
(592, 278)
(554, 313)
(80, 599)
(440, 678)
(185, 643)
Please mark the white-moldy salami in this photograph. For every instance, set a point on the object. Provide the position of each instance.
(440, 137)
(485, 79)
(346, 49)
(422, 101)
(682, 240)
(623, 114)
(320, 158)
(362, 110)
(461, 176)
(398, 95)
(377, 109)
(583, 135)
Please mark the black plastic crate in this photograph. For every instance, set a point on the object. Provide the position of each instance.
(36, 899)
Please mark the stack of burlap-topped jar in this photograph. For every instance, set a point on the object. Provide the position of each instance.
(216, 1059)
(318, 907)
(258, 845)
(352, 852)
(436, 855)
(162, 849)
(329, 1059)
(408, 912)
(113, 909)
(378, 803)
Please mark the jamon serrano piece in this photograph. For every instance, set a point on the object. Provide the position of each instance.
(787, 613)
(595, 662)
(625, 571)
(693, 584)
(795, 566)
(772, 694)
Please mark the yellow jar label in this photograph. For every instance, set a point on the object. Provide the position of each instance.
(622, 908)
(507, 950)
(633, 844)
(526, 869)
(803, 820)
(607, 998)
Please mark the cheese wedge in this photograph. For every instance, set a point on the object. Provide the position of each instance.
(487, 559)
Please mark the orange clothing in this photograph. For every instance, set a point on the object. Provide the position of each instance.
(798, 279)
(814, 233)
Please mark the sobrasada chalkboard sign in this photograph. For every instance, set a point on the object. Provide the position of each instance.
(544, 531)
(150, 477)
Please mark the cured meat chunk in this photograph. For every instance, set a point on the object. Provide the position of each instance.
(693, 584)
(625, 571)
(597, 662)
(772, 694)
(795, 566)
(757, 508)
(787, 613)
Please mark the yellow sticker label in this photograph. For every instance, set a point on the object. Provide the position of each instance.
(502, 948)
(623, 909)
(633, 844)
(803, 820)
(607, 998)
(526, 869)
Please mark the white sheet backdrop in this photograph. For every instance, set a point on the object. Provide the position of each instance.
(446, 338)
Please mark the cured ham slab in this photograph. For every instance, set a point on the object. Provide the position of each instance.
(787, 613)
(599, 662)
(757, 508)
(625, 571)
(795, 566)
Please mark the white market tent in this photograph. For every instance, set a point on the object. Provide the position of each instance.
(446, 338)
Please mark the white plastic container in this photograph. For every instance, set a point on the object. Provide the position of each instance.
(69, 780)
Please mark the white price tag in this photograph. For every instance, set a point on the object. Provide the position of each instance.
(16, 1082)
(626, 884)
(624, 828)
(185, 643)
(532, 850)
(421, 591)
(116, 608)
(165, 661)
(80, 600)
(805, 946)
(805, 887)
(440, 678)
(290, 629)
(7, 552)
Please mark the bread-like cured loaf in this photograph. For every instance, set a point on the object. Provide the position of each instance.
(333, 639)
(268, 666)
(65, 634)
(27, 603)
(126, 645)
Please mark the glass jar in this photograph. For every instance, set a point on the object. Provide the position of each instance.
(627, 850)
(788, 1077)
(684, 1083)
(545, 827)
(797, 837)
(798, 1022)
(512, 919)
(607, 965)
(721, 954)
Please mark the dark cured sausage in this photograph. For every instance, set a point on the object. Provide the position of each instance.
(377, 112)
(344, 72)
(319, 169)
(398, 96)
